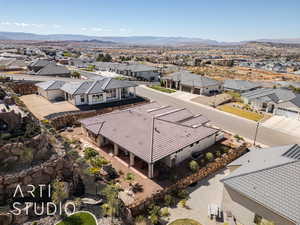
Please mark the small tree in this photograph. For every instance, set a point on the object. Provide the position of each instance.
(113, 205)
(59, 193)
(99, 162)
(194, 166)
(209, 156)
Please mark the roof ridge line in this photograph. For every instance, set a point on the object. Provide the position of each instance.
(261, 170)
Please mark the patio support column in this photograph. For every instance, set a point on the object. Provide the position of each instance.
(100, 141)
(150, 170)
(116, 149)
(180, 87)
(134, 92)
(131, 156)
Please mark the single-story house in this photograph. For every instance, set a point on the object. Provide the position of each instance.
(263, 185)
(193, 83)
(44, 67)
(277, 101)
(151, 133)
(53, 70)
(38, 64)
(12, 64)
(240, 86)
(138, 71)
(87, 92)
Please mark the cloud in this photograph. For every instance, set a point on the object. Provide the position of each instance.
(21, 24)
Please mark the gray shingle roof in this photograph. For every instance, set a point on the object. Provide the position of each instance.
(270, 177)
(194, 80)
(240, 85)
(51, 85)
(148, 137)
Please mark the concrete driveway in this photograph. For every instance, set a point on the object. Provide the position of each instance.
(207, 191)
(41, 107)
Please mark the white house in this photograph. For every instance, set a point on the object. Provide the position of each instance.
(89, 92)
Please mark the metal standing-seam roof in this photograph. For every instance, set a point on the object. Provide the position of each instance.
(270, 177)
(148, 137)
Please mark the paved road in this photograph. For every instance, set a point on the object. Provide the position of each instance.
(241, 126)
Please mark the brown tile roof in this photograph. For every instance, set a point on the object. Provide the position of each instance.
(145, 135)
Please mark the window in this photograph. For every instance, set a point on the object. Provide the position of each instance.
(82, 98)
(111, 93)
(97, 98)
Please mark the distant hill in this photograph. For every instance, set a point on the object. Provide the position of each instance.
(282, 41)
(132, 40)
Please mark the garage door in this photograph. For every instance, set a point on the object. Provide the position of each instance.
(197, 91)
(186, 88)
(287, 113)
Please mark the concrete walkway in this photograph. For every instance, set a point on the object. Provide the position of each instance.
(283, 124)
(208, 191)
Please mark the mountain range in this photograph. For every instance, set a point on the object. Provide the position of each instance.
(131, 40)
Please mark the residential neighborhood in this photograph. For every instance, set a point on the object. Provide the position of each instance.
(149, 113)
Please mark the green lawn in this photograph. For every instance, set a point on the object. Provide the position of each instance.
(242, 113)
(80, 218)
(185, 222)
(159, 88)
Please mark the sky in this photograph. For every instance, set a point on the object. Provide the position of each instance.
(221, 20)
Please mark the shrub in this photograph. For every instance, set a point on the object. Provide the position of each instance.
(182, 203)
(90, 153)
(99, 162)
(164, 212)
(182, 194)
(94, 170)
(154, 219)
(129, 177)
(194, 166)
(169, 200)
(209, 156)
(218, 153)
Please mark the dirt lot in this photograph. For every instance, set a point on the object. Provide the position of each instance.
(213, 100)
(41, 107)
